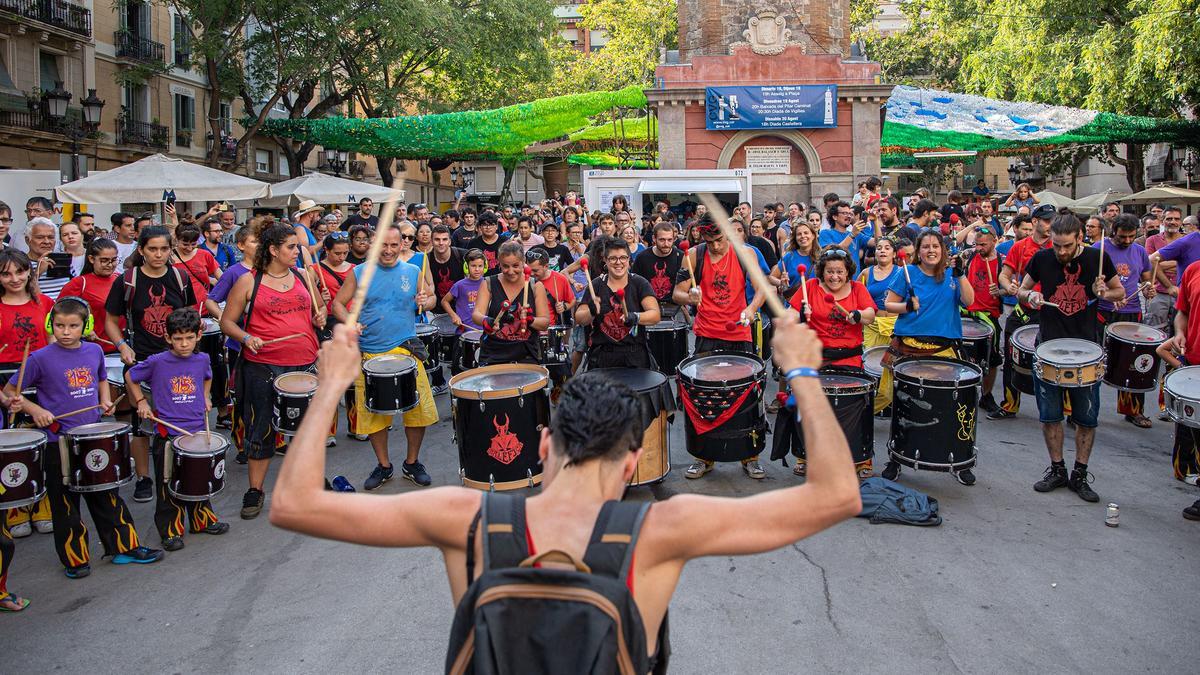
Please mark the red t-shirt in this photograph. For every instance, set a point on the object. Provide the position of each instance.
(983, 273)
(95, 290)
(18, 323)
(200, 269)
(277, 315)
(333, 281)
(722, 299)
(560, 290)
(1189, 298)
(830, 324)
(1020, 254)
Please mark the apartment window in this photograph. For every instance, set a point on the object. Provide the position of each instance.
(49, 70)
(262, 161)
(226, 121)
(185, 119)
(136, 103)
(5, 78)
(183, 41)
(284, 166)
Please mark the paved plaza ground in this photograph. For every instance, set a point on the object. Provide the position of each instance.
(1013, 581)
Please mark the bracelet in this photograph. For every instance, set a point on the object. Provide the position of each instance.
(801, 372)
(246, 337)
(119, 343)
(856, 317)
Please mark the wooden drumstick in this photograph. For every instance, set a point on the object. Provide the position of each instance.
(281, 339)
(833, 301)
(684, 246)
(311, 263)
(312, 291)
(372, 261)
(583, 265)
(170, 426)
(12, 417)
(77, 412)
(749, 260)
(802, 270)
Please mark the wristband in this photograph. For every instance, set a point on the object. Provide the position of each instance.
(119, 343)
(909, 304)
(246, 338)
(856, 316)
(801, 372)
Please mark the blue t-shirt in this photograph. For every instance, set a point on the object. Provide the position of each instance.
(832, 237)
(311, 239)
(1003, 248)
(878, 288)
(938, 315)
(762, 265)
(389, 312)
(177, 385)
(793, 260)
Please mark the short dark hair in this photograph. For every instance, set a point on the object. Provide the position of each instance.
(664, 226)
(874, 183)
(451, 213)
(475, 254)
(81, 215)
(40, 201)
(119, 217)
(830, 197)
(525, 219)
(1065, 223)
(440, 229)
(488, 218)
(827, 256)
(922, 207)
(70, 304)
(183, 320)
(1171, 207)
(596, 418)
(1124, 222)
(511, 247)
(364, 200)
(613, 244)
(1105, 205)
(138, 220)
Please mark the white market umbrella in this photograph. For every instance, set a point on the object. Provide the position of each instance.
(1092, 203)
(1163, 193)
(1054, 199)
(326, 189)
(157, 177)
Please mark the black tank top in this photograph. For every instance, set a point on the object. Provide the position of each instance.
(507, 344)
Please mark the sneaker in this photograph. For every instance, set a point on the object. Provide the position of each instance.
(172, 544)
(1000, 414)
(241, 457)
(44, 526)
(142, 555)
(988, 404)
(215, 528)
(330, 441)
(698, 469)
(801, 469)
(1054, 478)
(865, 473)
(224, 422)
(891, 471)
(440, 389)
(773, 406)
(379, 475)
(415, 472)
(252, 503)
(1078, 483)
(21, 530)
(78, 572)
(754, 470)
(1192, 512)
(966, 477)
(358, 437)
(1164, 417)
(143, 491)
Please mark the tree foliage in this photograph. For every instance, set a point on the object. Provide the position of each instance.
(637, 31)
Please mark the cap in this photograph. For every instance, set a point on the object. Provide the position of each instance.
(1044, 212)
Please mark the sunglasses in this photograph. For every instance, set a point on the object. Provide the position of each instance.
(408, 237)
(339, 235)
(835, 253)
(534, 256)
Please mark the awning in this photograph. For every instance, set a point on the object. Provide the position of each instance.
(685, 186)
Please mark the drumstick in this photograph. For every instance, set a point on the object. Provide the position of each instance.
(833, 301)
(802, 270)
(281, 339)
(170, 426)
(684, 246)
(312, 291)
(749, 260)
(991, 279)
(583, 264)
(311, 263)
(12, 417)
(76, 412)
(425, 268)
(372, 262)
(207, 433)
(525, 294)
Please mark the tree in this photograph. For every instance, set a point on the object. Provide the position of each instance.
(636, 30)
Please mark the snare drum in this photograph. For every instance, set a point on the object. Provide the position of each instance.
(116, 382)
(657, 403)
(429, 336)
(468, 351)
(1069, 362)
(212, 342)
(852, 398)
(22, 467)
(1181, 396)
(933, 413)
(668, 344)
(1022, 346)
(293, 392)
(23, 419)
(390, 384)
(197, 469)
(977, 342)
(499, 413)
(873, 362)
(722, 393)
(1133, 363)
(98, 456)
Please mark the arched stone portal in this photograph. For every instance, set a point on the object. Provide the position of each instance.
(795, 138)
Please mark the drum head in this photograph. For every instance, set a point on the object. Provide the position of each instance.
(1069, 352)
(1025, 337)
(974, 329)
(636, 379)
(936, 370)
(115, 368)
(425, 330)
(296, 383)
(16, 439)
(98, 430)
(1137, 332)
(475, 336)
(721, 367)
(201, 444)
(1184, 383)
(833, 382)
(445, 324)
(389, 364)
(210, 326)
(873, 360)
(500, 381)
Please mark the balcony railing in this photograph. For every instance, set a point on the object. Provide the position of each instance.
(69, 17)
(145, 134)
(36, 120)
(137, 48)
(183, 138)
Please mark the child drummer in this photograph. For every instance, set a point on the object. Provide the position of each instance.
(70, 377)
(180, 382)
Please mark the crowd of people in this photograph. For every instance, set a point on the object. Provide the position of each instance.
(870, 272)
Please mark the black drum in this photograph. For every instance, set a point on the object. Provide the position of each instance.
(852, 397)
(447, 338)
(977, 342)
(668, 344)
(293, 392)
(1133, 363)
(468, 351)
(554, 346)
(761, 332)
(390, 384)
(1022, 350)
(657, 405)
(196, 466)
(212, 341)
(722, 394)
(933, 413)
(499, 413)
(429, 336)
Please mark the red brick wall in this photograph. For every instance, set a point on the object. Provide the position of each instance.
(833, 146)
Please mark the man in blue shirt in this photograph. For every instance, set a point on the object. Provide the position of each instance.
(212, 243)
(843, 235)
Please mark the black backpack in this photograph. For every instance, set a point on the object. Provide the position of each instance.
(517, 618)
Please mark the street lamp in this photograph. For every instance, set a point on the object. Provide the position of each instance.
(1188, 164)
(462, 178)
(336, 160)
(55, 102)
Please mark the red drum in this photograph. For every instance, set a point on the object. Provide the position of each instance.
(98, 456)
(22, 472)
(196, 469)
(1133, 364)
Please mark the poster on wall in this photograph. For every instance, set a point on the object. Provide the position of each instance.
(606, 199)
(769, 159)
(801, 106)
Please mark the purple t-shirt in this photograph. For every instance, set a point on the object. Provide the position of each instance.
(66, 380)
(177, 385)
(465, 292)
(220, 293)
(1184, 251)
(1131, 264)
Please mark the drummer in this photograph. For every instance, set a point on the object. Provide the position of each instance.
(1185, 457)
(1133, 267)
(659, 265)
(93, 284)
(180, 382)
(623, 304)
(388, 321)
(877, 279)
(1072, 277)
(928, 309)
(511, 309)
(982, 266)
(229, 416)
(1011, 273)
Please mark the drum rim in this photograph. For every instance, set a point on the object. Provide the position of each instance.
(667, 325)
(30, 500)
(750, 379)
(175, 445)
(1166, 383)
(977, 372)
(510, 392)
(24, 446)
(418, 329)
(412, 360)
(990, 331)
(473, 333)
(1012, 340)
(122, 427)
(1101, 356)
(652, 373)
(294, 374)
(1108, 333)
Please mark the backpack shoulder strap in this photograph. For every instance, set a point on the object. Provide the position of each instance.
(699, 249)
(245, 318)
(505, 542)
(129, 278)
(610, 549)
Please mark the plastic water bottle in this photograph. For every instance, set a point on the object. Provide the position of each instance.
(340, 484)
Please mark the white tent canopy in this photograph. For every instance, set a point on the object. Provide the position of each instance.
(325, 189)
(157, 177)
(1163, 193)
(1092, 203)
(1056, 200)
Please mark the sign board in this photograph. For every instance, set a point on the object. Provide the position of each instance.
(606, 199)
(801, 106)
(769, 158)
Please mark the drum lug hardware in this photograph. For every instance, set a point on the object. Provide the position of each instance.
(529, 473)
(521, 402)
(491, 483)
(481, 405)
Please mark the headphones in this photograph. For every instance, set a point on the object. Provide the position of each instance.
(89, 323)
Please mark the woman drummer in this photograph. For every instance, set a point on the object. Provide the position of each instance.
(270, 303)
(800, 249)
(512, 310)
(94, 283)
(927, 303)
(334, 268)
(878, 279)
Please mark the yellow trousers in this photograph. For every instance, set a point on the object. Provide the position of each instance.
(37, 512)
(878, 333)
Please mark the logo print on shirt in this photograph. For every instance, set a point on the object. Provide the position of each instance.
(1123, 271)
(490, 256)
(79, 377)
(720, 288)
(1070, 296)
(613, 324)
(505, 446)
(183, 385)
(659, 283)
(23, 325)
(444, 281)
(154, 317)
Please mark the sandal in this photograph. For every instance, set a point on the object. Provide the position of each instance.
(12, 603)
(1140, 421)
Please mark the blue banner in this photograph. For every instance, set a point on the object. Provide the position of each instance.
(801, 106)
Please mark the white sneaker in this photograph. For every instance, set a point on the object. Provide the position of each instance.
(22, 530)
(330, 442)
(754, 470)
(697, 469)
(44, 526)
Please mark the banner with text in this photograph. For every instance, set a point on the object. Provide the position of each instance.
(771, 107)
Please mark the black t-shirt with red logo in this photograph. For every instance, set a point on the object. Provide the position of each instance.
(446, 273)
(611, 328)
(658, 271)
(490, 251)
(1070, 287)
(153, 301)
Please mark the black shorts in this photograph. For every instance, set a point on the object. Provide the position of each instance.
(256, 386)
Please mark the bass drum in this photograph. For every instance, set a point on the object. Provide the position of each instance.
(468, 351)
(1133, 362)
(499, 413)
(933, 414)
(722, 395)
